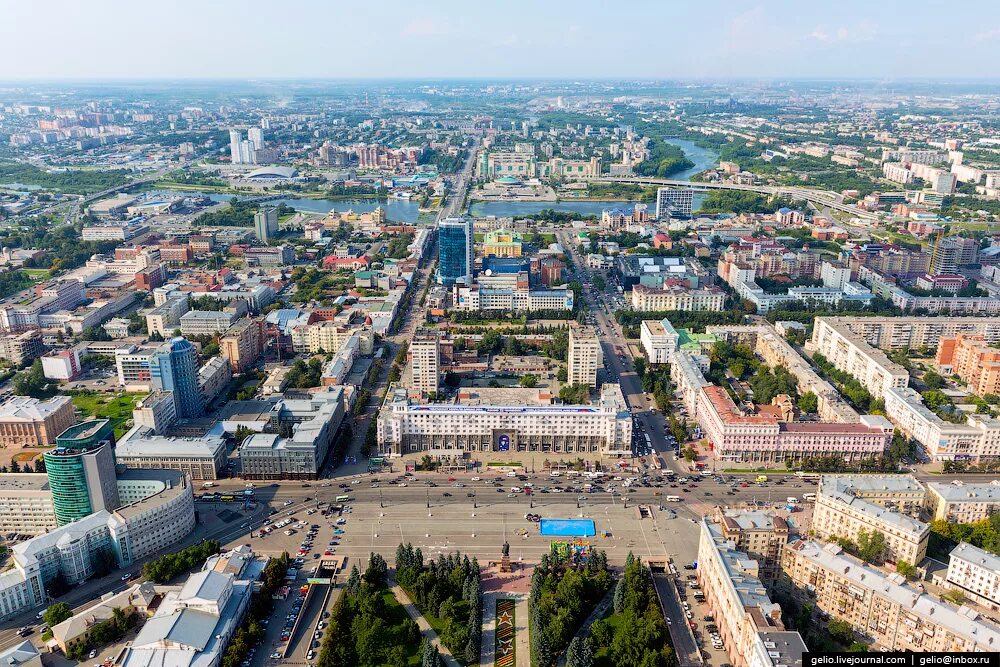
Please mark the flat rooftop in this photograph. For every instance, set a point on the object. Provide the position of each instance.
(972, 493)
(24, 481)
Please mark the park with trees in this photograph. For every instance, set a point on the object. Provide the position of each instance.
(169, 566)
(635, 633)
(367, 626)
(448, 592)
(563, 593)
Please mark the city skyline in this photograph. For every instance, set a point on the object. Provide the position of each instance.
(776, 39)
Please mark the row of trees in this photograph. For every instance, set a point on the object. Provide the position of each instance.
(169, 566)
(366, 627)
(849, 387)
(563, 592)
(448, 589)
(984, 534)
(252, 631)
(639, 636)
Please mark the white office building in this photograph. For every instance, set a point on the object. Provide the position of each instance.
(658, 340)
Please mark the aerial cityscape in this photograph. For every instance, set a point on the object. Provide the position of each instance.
(428, 355)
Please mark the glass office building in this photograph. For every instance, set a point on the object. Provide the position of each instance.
(174, 367)
(81, 471)
(455, 251)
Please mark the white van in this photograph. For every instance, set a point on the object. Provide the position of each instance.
(673, 499)
(792, 500)
(515, 489)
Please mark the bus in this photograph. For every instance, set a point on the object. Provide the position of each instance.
(809, 497)
(761, 479)
(343, 499)
(228, 498)
(673, 499)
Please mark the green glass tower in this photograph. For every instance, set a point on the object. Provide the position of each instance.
(81, 471)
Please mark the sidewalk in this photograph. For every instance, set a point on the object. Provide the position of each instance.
(488, 647)
(446, 657)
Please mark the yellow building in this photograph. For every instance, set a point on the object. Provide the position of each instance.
(502, 243)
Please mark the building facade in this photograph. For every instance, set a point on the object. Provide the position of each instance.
(173, 367)
(885, 611)
(456, 243)
(650, 299)
(584, 356)
(846, 505)
(30, 422)
(604, 428)
(425, 362)
(658, 340)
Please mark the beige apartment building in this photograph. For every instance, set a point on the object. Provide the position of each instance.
(425, 362)
(849, 504)
(242, 344)
(584, 356)
(962, 504)
(749, 623)
(676, 298)
(760, 535)
(888, 613)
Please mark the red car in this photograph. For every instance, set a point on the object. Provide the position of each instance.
(327, 553)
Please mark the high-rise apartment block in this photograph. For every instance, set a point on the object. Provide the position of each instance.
(584, 356)
(265, 223)
(242, 344)
(425, 360)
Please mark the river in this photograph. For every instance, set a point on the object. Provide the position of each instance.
(703, 158)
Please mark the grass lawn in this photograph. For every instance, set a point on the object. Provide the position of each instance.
(37, 274)
(394, 617)
(117, 408)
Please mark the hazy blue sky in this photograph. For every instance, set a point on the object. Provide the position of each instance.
(472, 38)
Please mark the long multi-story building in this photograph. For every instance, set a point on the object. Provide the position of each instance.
(158, 511)
(425, 362)
(884, 610)
(330, 336)
(242, 344)
(849, 351)
(208, 322)
(976, 573)
(976, 439)
(312, 424)
(965, 503)
(520, 423)
(26, 504)
(765, 439)
(30, 422)
(749, 622)
(165, 319)
(478, 297)
(200, 458)
(846, 505)
(971, 359)
(584, 356)
(650, 299)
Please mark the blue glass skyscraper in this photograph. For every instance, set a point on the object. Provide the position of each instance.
(455, 251)
(174, 367)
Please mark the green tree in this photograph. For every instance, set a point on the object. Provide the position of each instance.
(907, 570)
(808, 402)
(56, 614)
(579, 653)
(689, 454)
(841, 630)
(933, 380)
(871, 545)
(529, 380)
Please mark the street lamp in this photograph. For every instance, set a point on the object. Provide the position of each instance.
(380, 498)
(428, 498)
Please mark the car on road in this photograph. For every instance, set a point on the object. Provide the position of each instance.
(446, 494)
